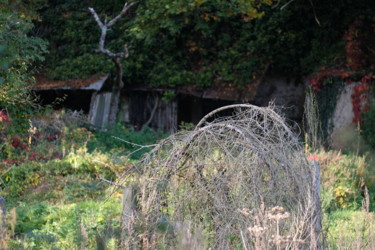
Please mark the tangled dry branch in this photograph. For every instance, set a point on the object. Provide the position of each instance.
(250, 161)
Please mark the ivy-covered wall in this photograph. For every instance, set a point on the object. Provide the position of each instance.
(199, 42)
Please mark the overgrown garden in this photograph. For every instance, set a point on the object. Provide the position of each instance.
(62, 180)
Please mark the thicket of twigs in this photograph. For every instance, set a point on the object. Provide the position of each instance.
(237, 181)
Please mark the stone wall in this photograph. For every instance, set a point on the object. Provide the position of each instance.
(287, 93)
(344, 132)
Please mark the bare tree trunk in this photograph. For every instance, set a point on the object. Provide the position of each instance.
(115, 57)
(114, 106)
(153, 111)
(116, 92)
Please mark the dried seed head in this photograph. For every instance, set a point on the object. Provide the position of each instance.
(278, 213)
(277, 210)
(278, 239)
(256, 230)
(244, 211)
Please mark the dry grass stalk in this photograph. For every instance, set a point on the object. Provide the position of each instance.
(249, 160)
(311, 121)
(3, 226)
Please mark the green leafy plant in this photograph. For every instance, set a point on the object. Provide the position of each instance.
(85, 224)
(18, 52)
(350, 229)
(343, 179)
(123, 140)
(368, 127)
(168, 96)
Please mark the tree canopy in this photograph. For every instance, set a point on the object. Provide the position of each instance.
(200, 42)
(18, 53)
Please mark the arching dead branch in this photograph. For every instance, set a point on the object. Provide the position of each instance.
(239, 180)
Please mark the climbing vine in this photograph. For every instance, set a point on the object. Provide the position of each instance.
(357, 67)
(199, 42)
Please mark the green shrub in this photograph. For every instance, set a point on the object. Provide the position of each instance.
(78, 174)
(343, 178)
(52, 181)
(31, 217)
(350, 230)
(110, 140)
(368, 126)
(82, 225)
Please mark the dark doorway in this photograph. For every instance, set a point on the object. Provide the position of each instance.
(69, 99)
(192, 109)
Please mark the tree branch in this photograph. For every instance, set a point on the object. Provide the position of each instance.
(104, 27)
(123, 12)
(112, 183)
(148, 122)
(96, 17)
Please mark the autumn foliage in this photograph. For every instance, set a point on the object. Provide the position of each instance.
(357, 67)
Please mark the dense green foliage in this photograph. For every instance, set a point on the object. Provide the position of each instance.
(121, 138)
(86, 224)
(347, 195)
(200, 42)
(18, 52)
(368, 127)
(344, 177)
(51, 180)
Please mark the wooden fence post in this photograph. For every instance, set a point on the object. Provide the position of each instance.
(316, 223)
(3, 225)
(127, 217)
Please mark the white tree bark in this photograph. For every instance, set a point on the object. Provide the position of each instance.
(115, 57)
